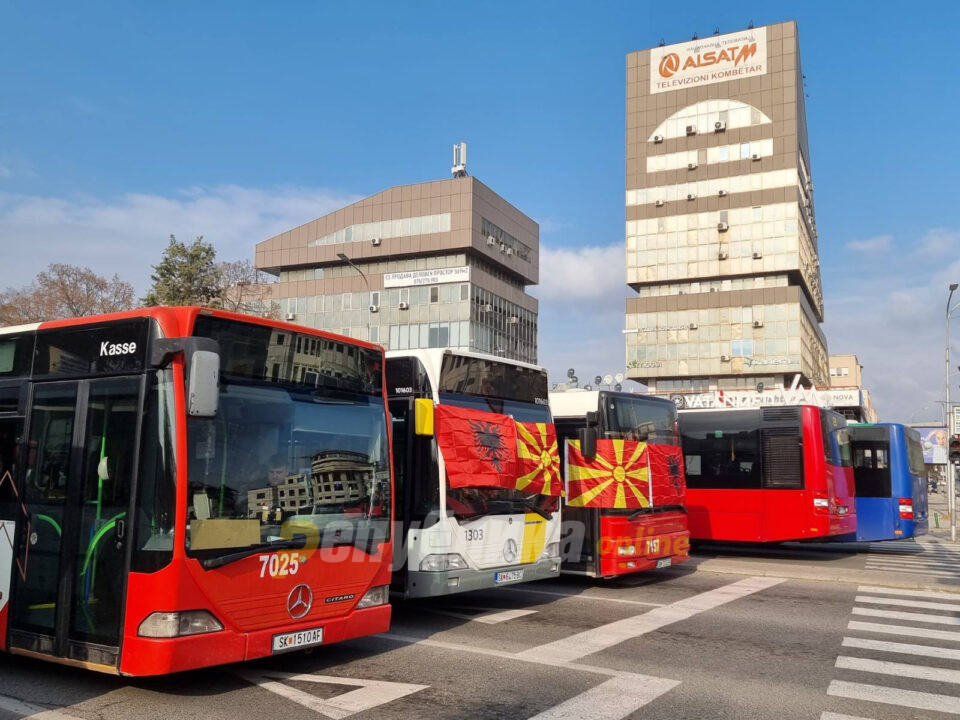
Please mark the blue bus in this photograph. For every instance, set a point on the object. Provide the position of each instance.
(890, 482)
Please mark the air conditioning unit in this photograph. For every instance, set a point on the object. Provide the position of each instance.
(503, 248)
(758, 323)
(513, 320)
(691, 196)
(724, 358)
(691, 166)
(658, 138)
(375, 242)
(722, 193)
(488, 308)
(755, 156)
(374, 308)
(757, 255)
(723, 255)
(509, 251)
(719, 126)
(404, 306)
(713, 289)
(491, 240)
(691, 129)
(722, 227)
(291, 316)
(692, 326)
(659, 203)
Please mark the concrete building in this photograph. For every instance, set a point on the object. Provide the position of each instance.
(846, 384)
(721, 239)
(435, 264)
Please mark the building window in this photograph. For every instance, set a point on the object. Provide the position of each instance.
(434, 294)
(375, 298)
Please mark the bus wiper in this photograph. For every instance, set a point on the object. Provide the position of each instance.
(658, 509)
(293, 544)
(533, 507)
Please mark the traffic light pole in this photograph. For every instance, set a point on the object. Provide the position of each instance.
(952, 479)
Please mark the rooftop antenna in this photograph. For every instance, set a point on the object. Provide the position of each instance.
(662, 42)
(750, 26)
(459, 168)
(694, 36)
(716, 30)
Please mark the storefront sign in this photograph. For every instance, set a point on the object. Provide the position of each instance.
(828, 398)
(411, 278)
(709, 60)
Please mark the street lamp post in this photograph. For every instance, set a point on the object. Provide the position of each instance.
(348, 261)
(951, 477)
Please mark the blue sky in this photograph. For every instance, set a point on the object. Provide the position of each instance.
(121, 123)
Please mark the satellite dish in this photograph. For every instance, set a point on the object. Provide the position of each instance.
(587, 387)
(618, 387)
(608, 379)
(597, 380)
(759, 387)
(571, 373)
(619, 378)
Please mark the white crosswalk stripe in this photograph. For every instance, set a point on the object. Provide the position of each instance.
(936, 560)
(908, 672)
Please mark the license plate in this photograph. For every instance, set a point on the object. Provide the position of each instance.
(508, 576)
(294, 640)
(664, 562)
(653, 546)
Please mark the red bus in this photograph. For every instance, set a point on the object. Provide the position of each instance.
(644, 526)
(182, 487)
(768, 474)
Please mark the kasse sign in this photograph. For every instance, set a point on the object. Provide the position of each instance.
(710, 60)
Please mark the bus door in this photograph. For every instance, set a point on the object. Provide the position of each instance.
(78, 467)
(10, 513)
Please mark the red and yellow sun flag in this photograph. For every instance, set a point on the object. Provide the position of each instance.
(538, 459)
(617, 477)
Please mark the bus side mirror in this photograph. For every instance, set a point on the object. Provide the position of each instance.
(588, 442)
(593, 420)
(423, 416)
(203, 383)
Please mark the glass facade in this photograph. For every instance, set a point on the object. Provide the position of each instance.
(691, 159)
(706, 188)
(704, 116)
(405, 227)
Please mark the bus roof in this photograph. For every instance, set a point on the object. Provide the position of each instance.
(577, 402)
(433, 356)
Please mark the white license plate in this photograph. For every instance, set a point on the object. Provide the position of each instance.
(294, 640)
(508, 576)
(664, 562)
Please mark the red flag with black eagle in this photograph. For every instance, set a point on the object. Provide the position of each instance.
(479, 448)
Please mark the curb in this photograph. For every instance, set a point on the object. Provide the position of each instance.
(849, 577)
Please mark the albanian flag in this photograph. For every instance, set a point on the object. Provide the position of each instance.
(538, 460)
(479, 448)
(618, 477)
(667, 479)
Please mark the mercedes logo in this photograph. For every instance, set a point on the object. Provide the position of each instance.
(510, 550)
(299, 601)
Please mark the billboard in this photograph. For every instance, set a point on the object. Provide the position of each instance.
(934, 441)
(411, 278)
(708, 60)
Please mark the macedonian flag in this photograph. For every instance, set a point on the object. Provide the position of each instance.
(538, 459)
(617, 477)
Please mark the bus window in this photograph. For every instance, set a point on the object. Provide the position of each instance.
(723, 459)
(633, 419)
(871, 467)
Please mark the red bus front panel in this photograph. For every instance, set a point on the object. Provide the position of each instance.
(628, 546)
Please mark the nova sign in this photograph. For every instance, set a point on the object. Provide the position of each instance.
(710, 60)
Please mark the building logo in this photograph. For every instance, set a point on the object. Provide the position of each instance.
(299, 601)
(510, 550)
(708, 60)
(669, 65)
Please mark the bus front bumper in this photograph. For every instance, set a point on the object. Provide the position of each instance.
(431, 584)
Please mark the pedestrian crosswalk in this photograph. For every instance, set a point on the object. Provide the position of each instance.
(931, 559)
(901, 652)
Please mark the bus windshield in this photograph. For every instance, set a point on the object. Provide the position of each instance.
(507, 389)
(642, 419)
(302, 449)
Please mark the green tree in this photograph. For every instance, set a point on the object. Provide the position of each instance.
(186, 275)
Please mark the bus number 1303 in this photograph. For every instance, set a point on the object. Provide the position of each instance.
(473, 534)
(279, 564)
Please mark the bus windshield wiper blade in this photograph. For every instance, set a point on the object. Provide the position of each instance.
(533, 507)
(211, 563)
(656, 509)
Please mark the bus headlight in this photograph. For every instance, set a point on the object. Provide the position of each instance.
(627, 550)
(441, 563)
(178, 624)
(552, 550)
(374, 596)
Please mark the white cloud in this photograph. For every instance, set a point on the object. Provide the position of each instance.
(126, 235)
(582, 292)
(939, 242)
(880, 243)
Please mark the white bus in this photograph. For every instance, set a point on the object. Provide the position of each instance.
(468, 538)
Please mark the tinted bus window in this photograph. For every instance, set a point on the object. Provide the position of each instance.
(16, 354)
(110, 348)
(464, 375)
(259, 352)
(836, 439)
(871, 467)
(642, 419)
(406, 376)
(914, 452)
(722, 453)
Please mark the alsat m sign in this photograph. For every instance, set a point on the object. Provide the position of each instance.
(713, 59)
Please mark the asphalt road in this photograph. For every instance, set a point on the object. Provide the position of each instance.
(685, 643)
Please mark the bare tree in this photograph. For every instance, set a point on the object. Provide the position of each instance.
(63, 291)
(246, 289)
